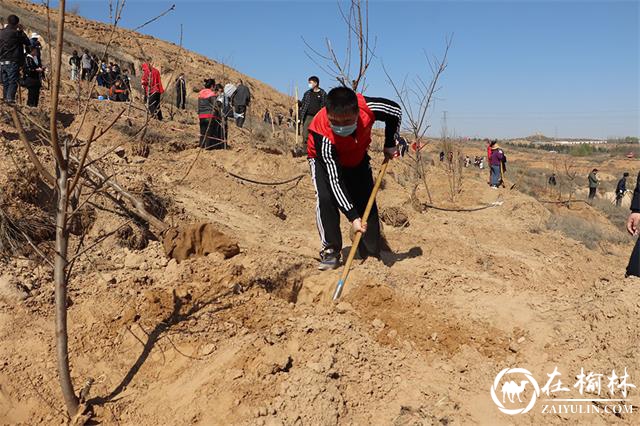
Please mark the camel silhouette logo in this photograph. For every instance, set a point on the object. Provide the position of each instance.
(514, 392)
(511, 389)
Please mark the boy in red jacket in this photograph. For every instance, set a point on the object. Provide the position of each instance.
(339, 136)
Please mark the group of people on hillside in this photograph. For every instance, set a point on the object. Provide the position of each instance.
(497, 162)
(620, 191)
(108, 75)
(216, 104)
(336, 129)
(20, 62)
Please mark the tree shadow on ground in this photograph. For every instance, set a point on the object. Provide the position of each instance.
(176, 317)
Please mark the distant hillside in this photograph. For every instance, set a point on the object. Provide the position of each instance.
(130, 49)
(538, 138)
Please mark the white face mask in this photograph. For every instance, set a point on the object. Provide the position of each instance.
(344, 131)
(311, 86)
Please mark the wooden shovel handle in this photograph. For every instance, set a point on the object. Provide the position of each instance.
(358, 236)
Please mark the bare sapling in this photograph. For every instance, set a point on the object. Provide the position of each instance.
(417, 98)
(74, 170)
(349, 68)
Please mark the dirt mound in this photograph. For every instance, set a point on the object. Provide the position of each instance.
(199, 239)
(394, 216)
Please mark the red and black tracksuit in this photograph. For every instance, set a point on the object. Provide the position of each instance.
(341, 172)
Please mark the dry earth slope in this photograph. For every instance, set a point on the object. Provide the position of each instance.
(417, 339)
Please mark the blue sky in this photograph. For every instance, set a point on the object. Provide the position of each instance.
(565, 68)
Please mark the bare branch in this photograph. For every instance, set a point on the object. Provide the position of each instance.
(27, 145)
(173, 7)
(98, 241)
(358, 51)
(83, 158)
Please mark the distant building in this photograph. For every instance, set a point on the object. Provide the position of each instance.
(579, 142)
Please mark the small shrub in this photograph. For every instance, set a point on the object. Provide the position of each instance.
(582, 150)
(154, 135)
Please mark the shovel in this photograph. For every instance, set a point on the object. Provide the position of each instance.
(358, 236)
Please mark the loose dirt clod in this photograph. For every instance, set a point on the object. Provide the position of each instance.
(197, 240)
(395, 216)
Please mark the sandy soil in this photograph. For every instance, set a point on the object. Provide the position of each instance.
(417, 338)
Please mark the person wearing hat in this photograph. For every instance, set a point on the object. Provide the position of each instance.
(496, 164)
(35, 43)
(593, 183)
(33, 71)
(621, 188)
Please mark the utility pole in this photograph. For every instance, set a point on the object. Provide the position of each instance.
(444, 125)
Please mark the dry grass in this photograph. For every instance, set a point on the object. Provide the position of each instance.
(616, 215)
(588, 233)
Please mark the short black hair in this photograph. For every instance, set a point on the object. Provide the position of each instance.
(625, 174)
(314, 79)
(13, 20)
(209, 83)
(341, 101)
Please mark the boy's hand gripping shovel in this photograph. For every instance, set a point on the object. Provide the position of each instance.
(358, 236)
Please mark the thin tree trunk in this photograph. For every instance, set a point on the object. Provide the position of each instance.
(423, 173)
(62, 234)
(60, 279)
(296, 109)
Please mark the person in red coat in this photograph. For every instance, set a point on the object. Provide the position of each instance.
(152, 87)
(489, 160)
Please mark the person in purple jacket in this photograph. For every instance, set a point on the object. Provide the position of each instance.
(496, 162)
